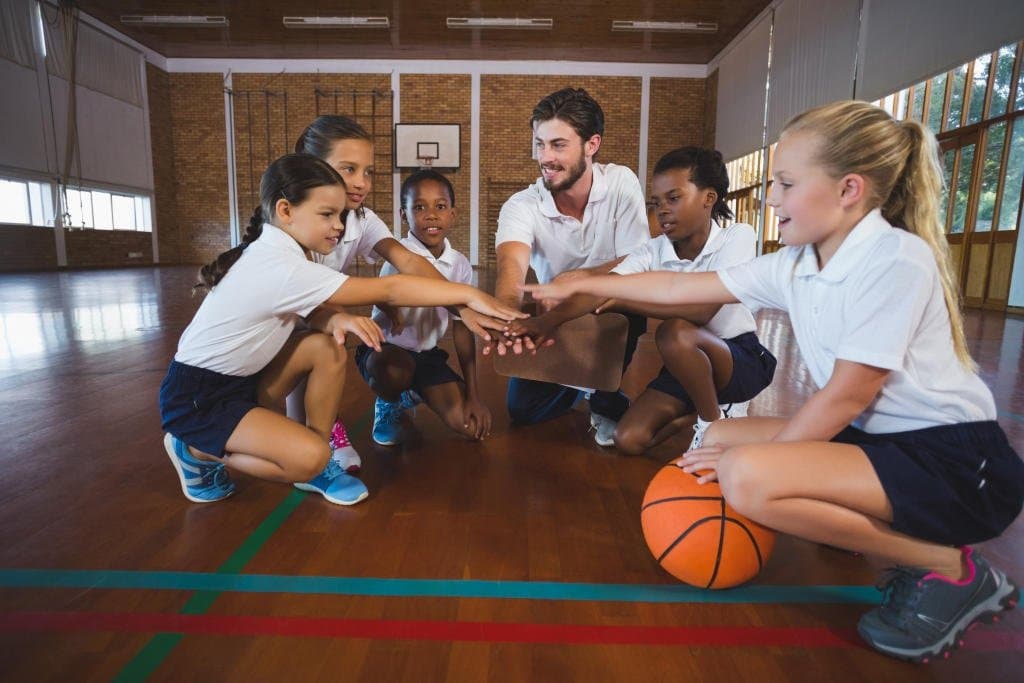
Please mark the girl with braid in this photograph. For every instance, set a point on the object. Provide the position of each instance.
(222, 402)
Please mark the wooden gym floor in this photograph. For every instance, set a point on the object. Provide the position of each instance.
(517, 559)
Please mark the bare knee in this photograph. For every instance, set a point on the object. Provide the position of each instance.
(307, 459)
(631, 439)
(675, 335)
(327, 353)
(391, 371)
(741, 476)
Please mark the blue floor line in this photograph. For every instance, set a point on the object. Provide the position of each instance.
(516, 590)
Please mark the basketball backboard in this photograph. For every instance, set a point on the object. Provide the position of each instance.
(427, 145)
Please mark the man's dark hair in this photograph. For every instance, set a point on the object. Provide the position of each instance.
(576, 107)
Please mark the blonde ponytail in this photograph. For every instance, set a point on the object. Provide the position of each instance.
(901, 161)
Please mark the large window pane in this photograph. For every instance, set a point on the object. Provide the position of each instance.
(956, 98)
(78, 208)
(979, 84)
(963, 187)
(1018, 99)
(917, 106)
(990, 172)
(14, 206)
(143, 220)
(1014, 174)
(935, 102)
(103, 218)
(948, 160)
(123, 212)
(1003, 80)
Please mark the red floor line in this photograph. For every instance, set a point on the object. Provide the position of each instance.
(383, 629)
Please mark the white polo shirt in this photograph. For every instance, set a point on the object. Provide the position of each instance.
(614, 223)
(362, 233)
(725, 247)
(245, 320)
(879, 302)
(423, 327)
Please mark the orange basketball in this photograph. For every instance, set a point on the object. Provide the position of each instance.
(695, 535)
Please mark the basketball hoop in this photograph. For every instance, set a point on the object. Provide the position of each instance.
(426, 162)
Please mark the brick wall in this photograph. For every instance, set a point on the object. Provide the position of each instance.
(24, 247)
(676, 117)
(104, 248)
(710, 108)
(444, 98)
(200, 192)
(506, 103)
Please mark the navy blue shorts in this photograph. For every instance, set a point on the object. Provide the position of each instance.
(952, 484)
(753, 367)
(431, 366)
(202, 407)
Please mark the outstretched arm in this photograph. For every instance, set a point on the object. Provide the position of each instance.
(409, 290)
(659, 287)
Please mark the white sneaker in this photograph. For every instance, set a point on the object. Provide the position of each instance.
(734, 409)
(605, 429)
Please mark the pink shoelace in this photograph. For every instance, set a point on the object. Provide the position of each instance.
(339, 436)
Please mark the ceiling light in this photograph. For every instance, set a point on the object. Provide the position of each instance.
(667, 26)
(497, 22)
(173, 20)
(337, 22)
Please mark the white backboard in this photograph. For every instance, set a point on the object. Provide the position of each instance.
(415, 140)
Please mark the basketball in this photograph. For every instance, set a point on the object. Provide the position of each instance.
(695, 535)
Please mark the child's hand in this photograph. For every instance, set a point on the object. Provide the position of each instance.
(478, 324)
(700, 459)
(535, 332)
(606, 305)
(481, 302)
(553, 293)
(364, 328)
(394, 314)
(476, 418)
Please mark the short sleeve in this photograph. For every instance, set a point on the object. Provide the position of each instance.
(640, 260)
(885, 307)
(374, 230)
(462, 272)
(307, 286)
(515, 223)
(761, 283)
(739, 246)
(631, 227)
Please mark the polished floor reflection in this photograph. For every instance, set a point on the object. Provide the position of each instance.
(86, 486)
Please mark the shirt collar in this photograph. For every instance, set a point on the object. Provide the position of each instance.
(715, 239)
(414, 245)
(276, 237)
(848, 255)
(598, 191)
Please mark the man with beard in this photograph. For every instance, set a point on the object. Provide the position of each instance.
(579, 218)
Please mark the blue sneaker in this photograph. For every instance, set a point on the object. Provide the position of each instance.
(202, 481)
(386, 415)
(335, 485)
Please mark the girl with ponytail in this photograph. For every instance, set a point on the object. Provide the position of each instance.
(713, 361)
(222, 401)
(898, 455)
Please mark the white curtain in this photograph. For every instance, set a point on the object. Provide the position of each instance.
(103, 64)
(742, 75)
(16, 42)
(23, 118)
(906, 41)
(814, 53)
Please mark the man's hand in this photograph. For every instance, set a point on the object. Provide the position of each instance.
(533, 332)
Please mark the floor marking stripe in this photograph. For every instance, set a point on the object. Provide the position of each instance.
(212, 584)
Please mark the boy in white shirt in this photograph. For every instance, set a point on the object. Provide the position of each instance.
(410, 366)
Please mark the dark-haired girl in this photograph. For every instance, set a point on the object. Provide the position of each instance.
(222, 400)
(714, 362)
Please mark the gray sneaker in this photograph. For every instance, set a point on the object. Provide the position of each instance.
(924, 617)
(604, 429)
